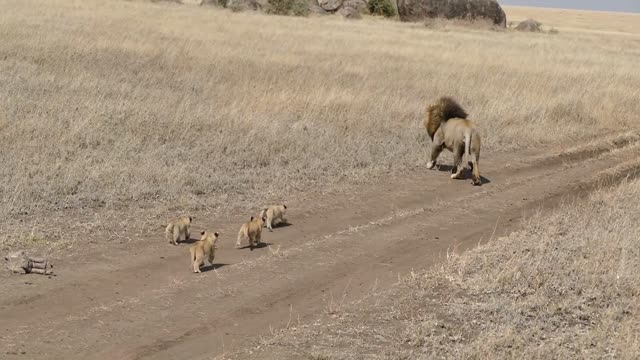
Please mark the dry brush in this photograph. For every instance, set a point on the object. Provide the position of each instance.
(132, 105)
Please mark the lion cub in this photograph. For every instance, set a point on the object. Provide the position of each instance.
(179, 228)
(204, 248)
(251, 230)
(274, 215)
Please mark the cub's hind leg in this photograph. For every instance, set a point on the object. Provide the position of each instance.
(269, 223)
(176, 235)
(241, 236)
(196, 265)
(212, 255)
(258, 238)
(196, 259)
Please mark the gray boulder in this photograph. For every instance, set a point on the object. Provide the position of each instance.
(330, 5)
(529, 25)
(351, 13)
(420, 10)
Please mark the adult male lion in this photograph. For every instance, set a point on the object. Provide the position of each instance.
(449, 128)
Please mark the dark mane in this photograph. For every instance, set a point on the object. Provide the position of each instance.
(442, 110)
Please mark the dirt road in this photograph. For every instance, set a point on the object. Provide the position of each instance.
(142, 302)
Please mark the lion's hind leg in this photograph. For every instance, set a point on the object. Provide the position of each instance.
(456, 171)
(435, 152)
(475, 159)
(475, 170)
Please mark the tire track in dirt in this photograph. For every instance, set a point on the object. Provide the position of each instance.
(154, 308)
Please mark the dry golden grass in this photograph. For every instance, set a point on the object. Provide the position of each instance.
(578, 20)
(566, 286)
(133, 105)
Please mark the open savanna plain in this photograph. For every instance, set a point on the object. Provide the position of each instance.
(117, 116)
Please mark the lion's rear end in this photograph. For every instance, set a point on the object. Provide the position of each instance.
(448, 127)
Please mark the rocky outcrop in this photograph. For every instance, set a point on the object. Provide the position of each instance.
(419, 10)
(351, 13)
(529, 25)
(330, 5)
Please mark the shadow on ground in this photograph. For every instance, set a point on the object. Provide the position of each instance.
(258, 246)
(466, 173)
(212, 267)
